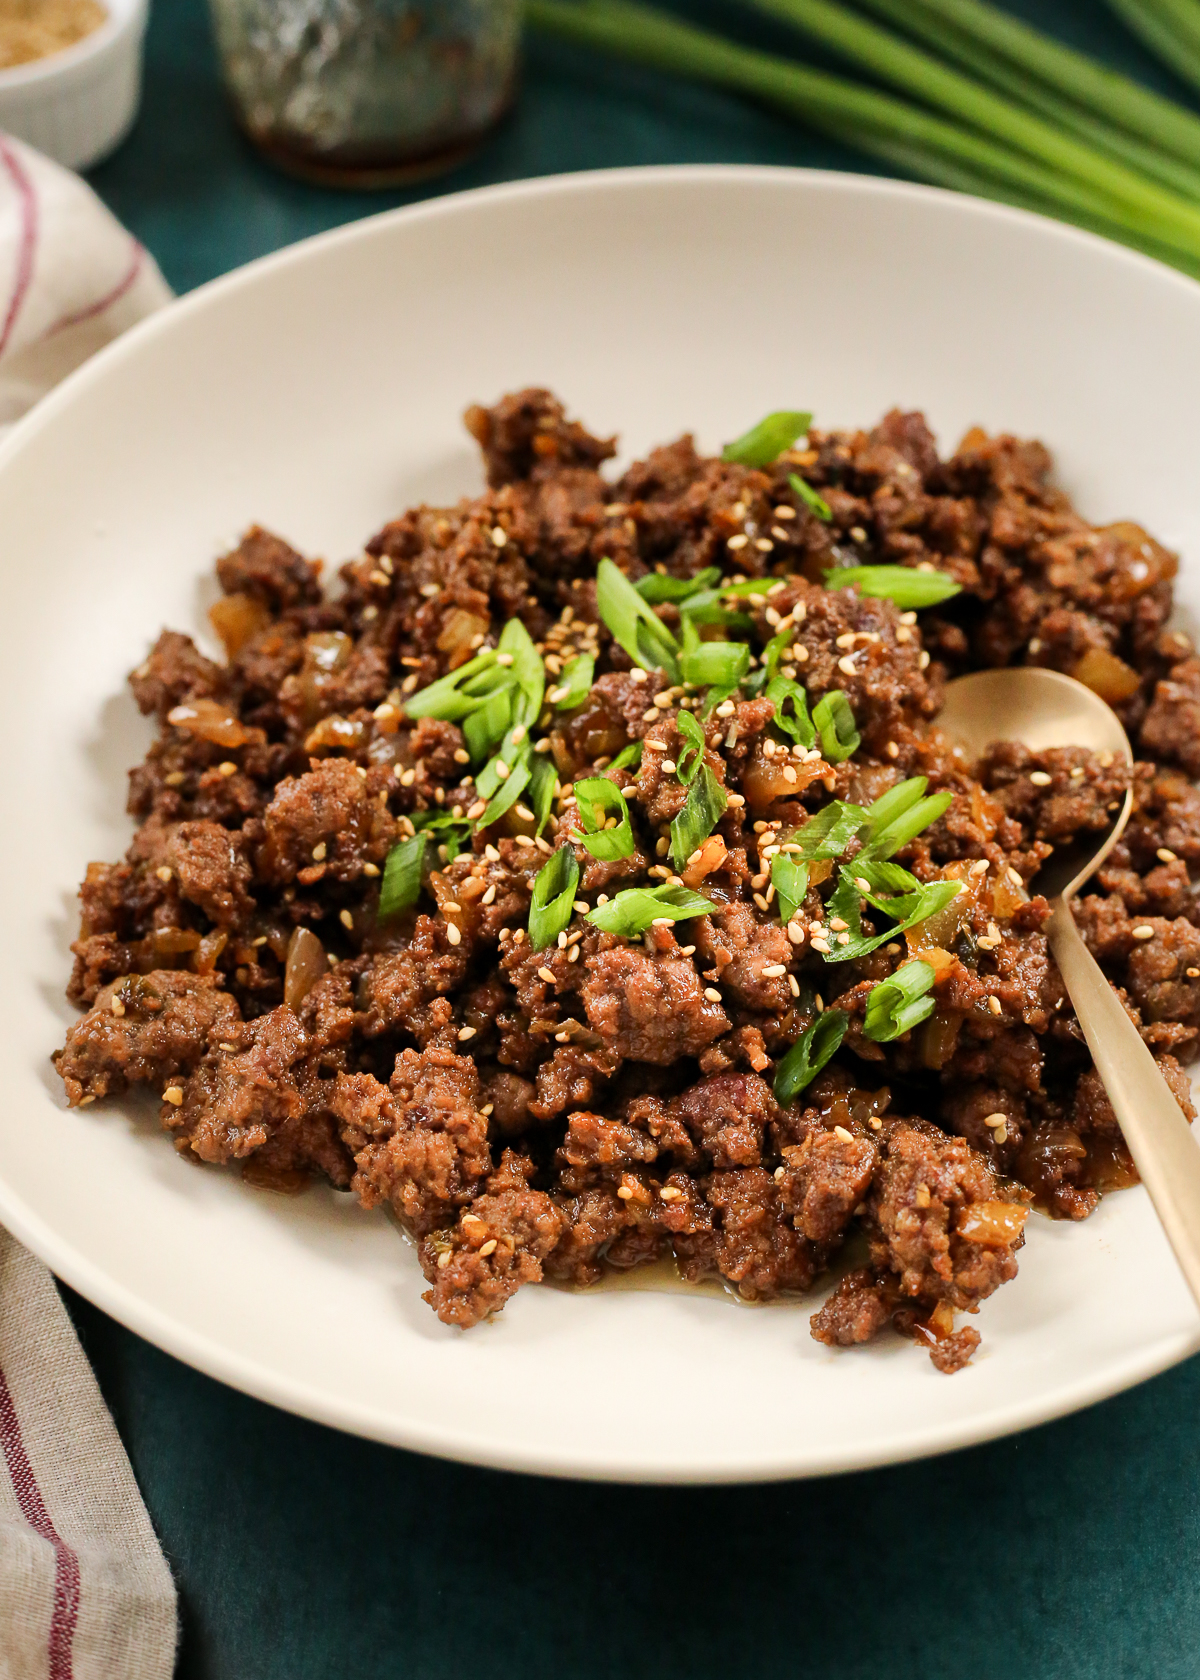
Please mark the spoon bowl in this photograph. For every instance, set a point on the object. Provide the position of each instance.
(1045, 709)
(1042, 709)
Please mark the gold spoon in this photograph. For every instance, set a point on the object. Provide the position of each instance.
(1046, 709)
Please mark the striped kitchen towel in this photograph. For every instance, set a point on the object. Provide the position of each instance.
(85, 1593)
(71, 277)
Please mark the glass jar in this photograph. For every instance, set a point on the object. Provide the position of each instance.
(368, 92)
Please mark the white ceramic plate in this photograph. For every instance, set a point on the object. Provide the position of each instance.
(319, 391)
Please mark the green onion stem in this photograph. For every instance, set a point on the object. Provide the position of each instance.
(873, 121)
(925, 165)
(925, 19)
(1152, 209)
(1105, 92)
(1152, 23)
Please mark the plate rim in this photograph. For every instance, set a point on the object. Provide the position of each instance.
(202, 1351)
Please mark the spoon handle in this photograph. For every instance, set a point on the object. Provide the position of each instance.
(1156, 1130)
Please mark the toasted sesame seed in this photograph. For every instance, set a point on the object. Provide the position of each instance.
(229, 768)
(504, 659)
(164, 874)
(637, 675)
(1039, 778)
(923, 660)
(763, 544)
(407, 778)
(1143, 932)
(1014, 876)
(668, 1193)
(795, 933)
(979, 867)
(476, 810)
(995, 1005)
(524, 840)
(845, 640)
(464, 1033)
(774, 971)
(174, 1095)
(649, 715)
(922, 1197)
(712, 994)
(444, 1259)
(1164, 854)
(903, 635)
(318, 852)
(546, 974)
(1193, 973)
(453, 934)
(844, 1133)
(837, 924)
(175, 778)
(115, 1005)
(369, 614)
(846, 664)
(820, 945)
(669, 766)
(346, 919)
(624, 1192)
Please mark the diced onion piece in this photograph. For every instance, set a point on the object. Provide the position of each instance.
(335, 733)
(765, 780)
(237, 619)
(459, 630)
(992, 1224)
(1107, 676)
(211, 721)
(305, 965)
(712, 856)
(208, 951)
(938, 932)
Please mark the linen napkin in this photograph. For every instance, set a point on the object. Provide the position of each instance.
(71, 277)
(85, 1593)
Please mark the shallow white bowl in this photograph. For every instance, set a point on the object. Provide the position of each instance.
(79, 104)
(319, 391)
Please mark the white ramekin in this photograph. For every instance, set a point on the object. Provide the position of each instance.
(78, 104)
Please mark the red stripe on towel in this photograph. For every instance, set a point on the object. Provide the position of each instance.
(109, 298)
(33, 1509)
(29, 224)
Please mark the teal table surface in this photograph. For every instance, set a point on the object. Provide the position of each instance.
(1069, 1553)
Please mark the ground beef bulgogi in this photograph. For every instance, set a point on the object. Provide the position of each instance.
(620, 1094)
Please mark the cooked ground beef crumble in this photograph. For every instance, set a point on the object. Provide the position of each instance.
(610, 1099)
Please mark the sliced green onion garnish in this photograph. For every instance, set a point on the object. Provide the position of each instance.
(573, 686)
(444, 698)
(654, 587)
(790, 880)
(631, 912)
(829, 833)
(715, 697)
(527, 670)
(485, 727)
(705, 663)
(706, 803)
(810, 498)
(810, 1053)
(775, 652)
(908, 588)
(907, 824)
(898, 893)
(542, 777)
(784, 693)
(629, 758)
(634, 624)
(767, 441)
(401, 883)
(510, 755)
(598, 799)
(844, 905)
(835, 726)
(899, 1003)
(892, 804)
(690, 756)
(510, 791)
(553, 898)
